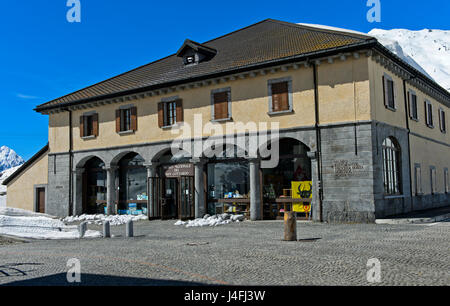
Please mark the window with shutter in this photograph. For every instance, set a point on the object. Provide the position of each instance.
(429, 114)
(442, 123)
(389, 92)
(280, 97)
(221, 105)
(412, 97)
(89, 125)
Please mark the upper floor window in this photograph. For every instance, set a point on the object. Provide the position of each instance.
(126, 119)
(442, 123)
(391, 166)
(429, 114)
(280, 95)
(170, 112)
(412, 98)
(89, 125)
(221, 104)
(389, 92)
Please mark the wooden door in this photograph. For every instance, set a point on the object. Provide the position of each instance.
(40, 200)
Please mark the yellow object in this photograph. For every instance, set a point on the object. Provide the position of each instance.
(302, 190)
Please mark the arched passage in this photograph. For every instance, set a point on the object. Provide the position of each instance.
(94, 187)
(288, 179)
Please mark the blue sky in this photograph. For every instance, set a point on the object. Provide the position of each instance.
(42, 56)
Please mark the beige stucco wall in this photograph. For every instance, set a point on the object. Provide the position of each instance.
(344, 95)
(20, 191)
(427, 144)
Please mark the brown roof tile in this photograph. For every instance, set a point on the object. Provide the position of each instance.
(266, 41)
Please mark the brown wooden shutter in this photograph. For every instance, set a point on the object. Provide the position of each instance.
(95, 124)
(161, 114)
(180, 112)
(134, 119)
(280, 97)
(117, 120)
(221, 105)
(81, 126)
(385, 94)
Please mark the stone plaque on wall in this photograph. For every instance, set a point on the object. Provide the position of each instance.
(345, 168)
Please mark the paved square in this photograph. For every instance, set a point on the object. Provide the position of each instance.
(248, 253)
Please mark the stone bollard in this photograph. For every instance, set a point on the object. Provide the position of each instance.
(129, 227)
(82, 228)
(106, 229)
(290, 226)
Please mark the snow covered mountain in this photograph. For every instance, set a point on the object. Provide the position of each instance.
(427, 50)
(9, 158)
(3, 176)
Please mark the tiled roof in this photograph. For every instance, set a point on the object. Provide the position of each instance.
(263, 42)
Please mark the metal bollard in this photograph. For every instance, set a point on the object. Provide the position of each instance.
(82, 228)
(129, 228)
(290, 226)
(106, 229)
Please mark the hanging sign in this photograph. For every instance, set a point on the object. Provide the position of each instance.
(178, 170)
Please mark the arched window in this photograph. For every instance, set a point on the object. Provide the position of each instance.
(391, 166)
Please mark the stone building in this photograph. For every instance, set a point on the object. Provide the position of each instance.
(364, 127)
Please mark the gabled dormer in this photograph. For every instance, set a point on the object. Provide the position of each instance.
(193, 53)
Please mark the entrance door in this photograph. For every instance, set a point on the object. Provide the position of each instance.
(186, 198)
(169, 199)
(40, 200)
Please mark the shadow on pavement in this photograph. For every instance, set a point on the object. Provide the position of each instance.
(99, 280)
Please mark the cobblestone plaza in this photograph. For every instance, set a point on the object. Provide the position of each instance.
(247, 253)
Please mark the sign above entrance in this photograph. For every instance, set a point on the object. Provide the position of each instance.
(178, 170)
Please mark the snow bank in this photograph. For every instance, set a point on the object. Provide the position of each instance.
(25, 224)
(215, 220)
(99, 219)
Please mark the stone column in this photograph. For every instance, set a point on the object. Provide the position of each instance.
(199, 187)
(151, 172)
(110, 189)
(255, 190)
(77, 191)
(315, 209)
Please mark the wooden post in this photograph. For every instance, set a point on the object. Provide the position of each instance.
(290, 226)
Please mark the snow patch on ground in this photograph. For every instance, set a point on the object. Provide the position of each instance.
(99, 219)
(215, 220)
(3, 176)
(21, 223)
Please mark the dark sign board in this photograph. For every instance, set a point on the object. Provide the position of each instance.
(179, 170)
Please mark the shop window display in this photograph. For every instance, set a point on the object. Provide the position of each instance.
(132, 185)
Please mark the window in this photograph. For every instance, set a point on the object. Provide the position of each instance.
(126, 119)
(389, 92)
(391, 166)
(442, 122)
(433, 179)
(170, 112)
(221, 104)
(446, 183)
(280, 95)
(89, 125)
(412, 97)
(418, 178)
(429, 114)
